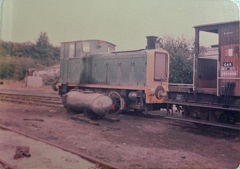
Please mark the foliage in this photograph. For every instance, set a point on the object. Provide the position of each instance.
(15, 49)
(15, 67)
(181, 59)
(16, 58)
(42, 50)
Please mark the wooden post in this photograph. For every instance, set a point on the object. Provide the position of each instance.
(195, 64)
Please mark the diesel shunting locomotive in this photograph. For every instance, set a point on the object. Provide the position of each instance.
(133, 80)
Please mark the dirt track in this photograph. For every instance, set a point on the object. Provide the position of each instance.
(134, 142)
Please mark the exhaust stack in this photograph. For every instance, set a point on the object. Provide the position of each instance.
(151, 42)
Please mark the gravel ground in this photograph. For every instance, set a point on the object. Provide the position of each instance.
(41, 155)
(134, 142)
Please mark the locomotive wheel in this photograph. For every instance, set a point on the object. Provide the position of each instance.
(118, 102)
(227, 117)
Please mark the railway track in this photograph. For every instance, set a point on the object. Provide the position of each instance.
(41, 100)
(201, 123)
(206, 123)
(55, 101)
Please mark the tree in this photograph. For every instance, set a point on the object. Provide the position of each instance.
(42, 47)
(42, 41)
(44, 51)
(181, 59)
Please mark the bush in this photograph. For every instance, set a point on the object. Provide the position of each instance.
(42, 50)
(15, 68)
(17, 58)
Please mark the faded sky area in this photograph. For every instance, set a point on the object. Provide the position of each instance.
(122, 22)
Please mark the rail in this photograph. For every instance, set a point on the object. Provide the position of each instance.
(49, 101)
(195, 121)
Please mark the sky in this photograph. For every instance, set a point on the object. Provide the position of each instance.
(125, 23)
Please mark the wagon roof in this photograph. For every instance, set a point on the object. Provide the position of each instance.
(215, 26)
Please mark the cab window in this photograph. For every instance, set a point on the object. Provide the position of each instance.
(160, 66)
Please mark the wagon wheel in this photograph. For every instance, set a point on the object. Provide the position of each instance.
(222, 116)
(227, 117)
(197, 113)
(118, 102)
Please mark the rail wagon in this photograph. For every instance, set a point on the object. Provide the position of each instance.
(134, 80)
(215, 93)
